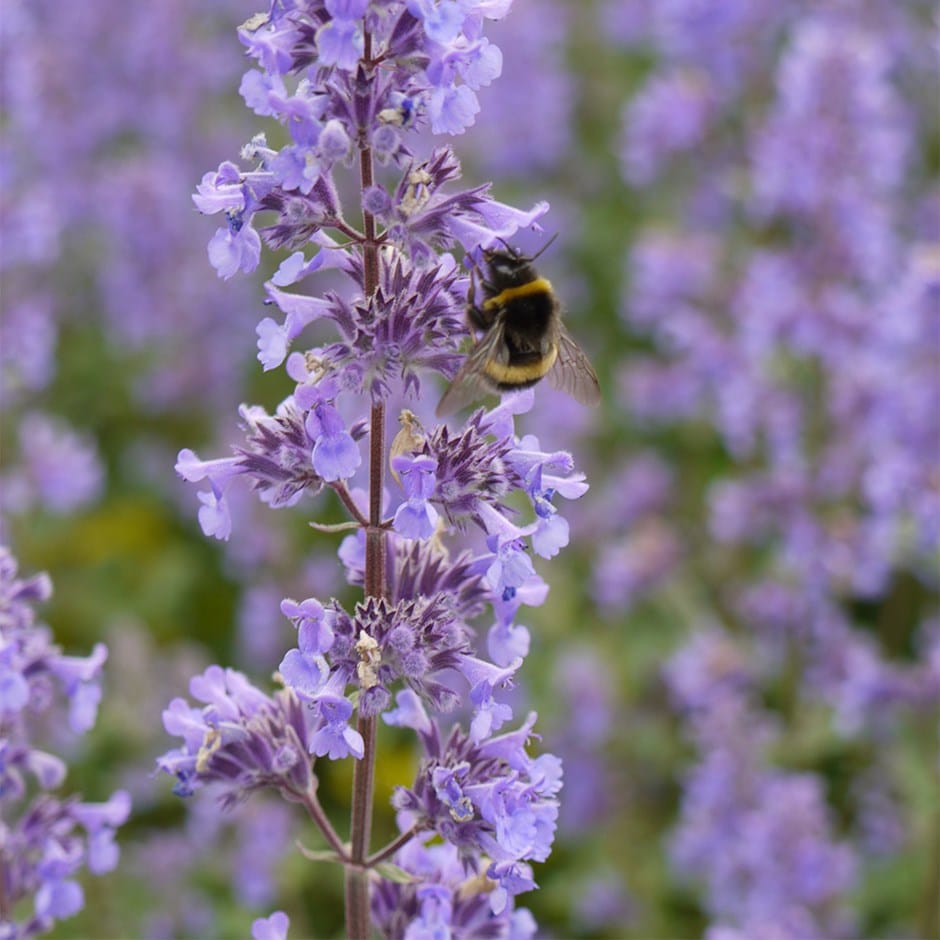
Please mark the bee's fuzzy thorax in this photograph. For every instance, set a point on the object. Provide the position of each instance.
(540, 285)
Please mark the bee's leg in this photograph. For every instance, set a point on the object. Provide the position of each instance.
(479, 319)
(476, 316)
(472, 289)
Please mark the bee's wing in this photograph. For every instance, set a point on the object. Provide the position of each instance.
(572, 373)
(471, 383)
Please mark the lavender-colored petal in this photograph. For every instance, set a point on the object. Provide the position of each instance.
(340, 43)
(416, 519)
(273, 927)
(336, 456)
(304, 673)
(59, 898)
(234, 251)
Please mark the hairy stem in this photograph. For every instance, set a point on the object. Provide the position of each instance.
(346, 499)
(357, 876)
(402, 840)
(312, 805)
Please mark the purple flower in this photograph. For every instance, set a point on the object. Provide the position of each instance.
(44, 845)
(416, 518)
(445, 896)
(452, 110)
(335, 454)
(535, 35)
(58, 898)
(507, 641)
(510, 568)
(340, 43)
(27, 338)
(241, 739)
(508, 811)
(758, 837)
(335, 738)
(151, 300)
(233, 249)
(670, 116)
(584, 684)
(60, 468)
(100, 821)
(271, 928)
(410, 713)
(315, 633)
(280, 457)
(305, 672)
(352, 83)
(780, 347)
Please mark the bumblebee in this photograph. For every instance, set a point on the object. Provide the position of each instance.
(523, 337)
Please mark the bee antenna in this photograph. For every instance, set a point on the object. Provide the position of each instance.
(526, 258)
(539, 252)
(508, 247)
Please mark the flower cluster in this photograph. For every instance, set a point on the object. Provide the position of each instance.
(241, 738)
(420, 637)
(760, 838)
(793, 312)
(142, 136)
(444, 897)
(794, 348)
(47, 839)
(59, 469)
(150, 75)
(353, 83)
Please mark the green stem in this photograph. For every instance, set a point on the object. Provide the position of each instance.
(930, 903)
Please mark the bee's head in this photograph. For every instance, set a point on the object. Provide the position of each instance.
(509, 267)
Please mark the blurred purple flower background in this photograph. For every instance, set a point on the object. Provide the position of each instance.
(739, 659)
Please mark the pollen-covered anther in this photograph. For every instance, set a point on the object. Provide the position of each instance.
(417, 192)
(462, 810)
(392, 116)
(255, 22)
(210, 744)
(367, 669)
(479, 883)
(316, 365)
(408, 440)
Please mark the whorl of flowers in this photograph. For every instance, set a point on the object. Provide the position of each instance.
(758, 836)
(354, 83)
(790, 290)
(45, 839)
(794, 349)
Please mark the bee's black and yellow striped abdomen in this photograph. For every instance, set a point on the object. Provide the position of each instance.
(520, 374)
(522, 339)
(526, 311)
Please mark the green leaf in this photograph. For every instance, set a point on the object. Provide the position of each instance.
(395, 873)
(321, 855)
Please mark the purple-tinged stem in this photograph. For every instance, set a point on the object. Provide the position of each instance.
(402, 840)
(357, 877)
(313, 807)
(346, 499)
